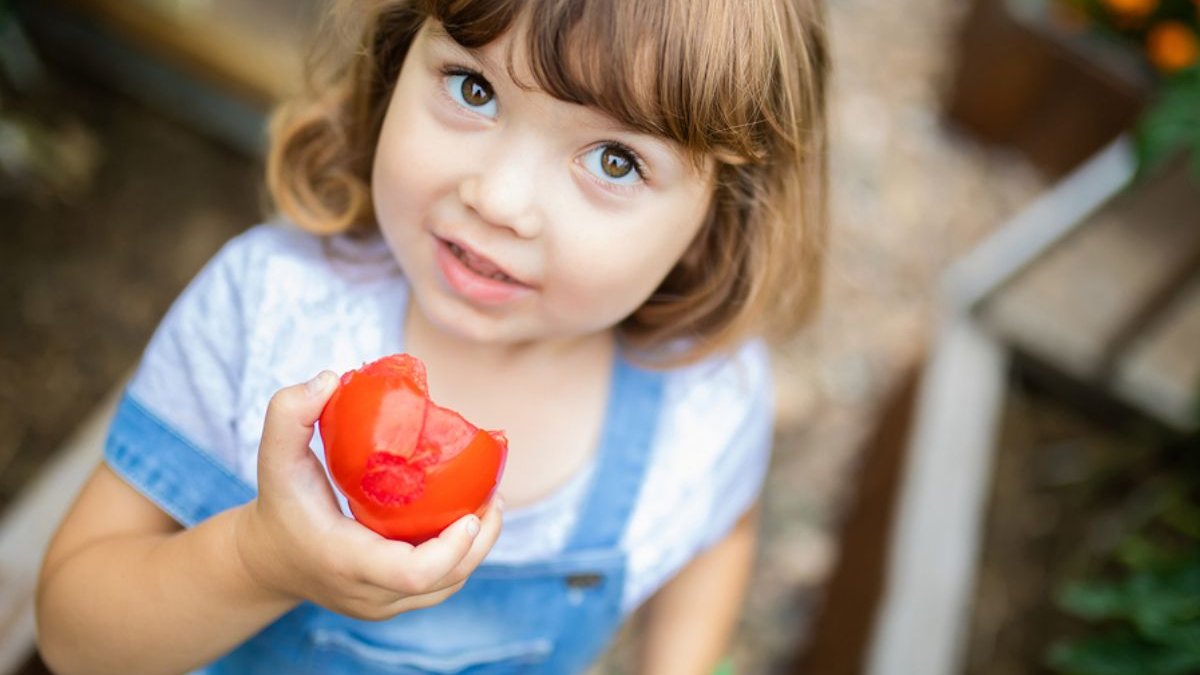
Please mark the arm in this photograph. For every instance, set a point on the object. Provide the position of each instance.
(121, 581)
(124, 590)
(687, 624)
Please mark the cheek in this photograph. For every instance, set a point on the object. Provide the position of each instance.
(403, 186)
(614, 277)
(405, 174)
(394, 184)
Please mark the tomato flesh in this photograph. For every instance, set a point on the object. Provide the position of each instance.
(407, 466)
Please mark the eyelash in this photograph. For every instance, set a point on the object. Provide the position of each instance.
(639, 165)
(451, 71)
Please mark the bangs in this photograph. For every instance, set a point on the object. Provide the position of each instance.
(678, 69)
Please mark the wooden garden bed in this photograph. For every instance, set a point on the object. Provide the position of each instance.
(1093, 288)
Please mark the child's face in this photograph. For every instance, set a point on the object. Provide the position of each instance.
(516, 216)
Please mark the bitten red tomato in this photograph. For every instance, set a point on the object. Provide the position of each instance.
(407, 466)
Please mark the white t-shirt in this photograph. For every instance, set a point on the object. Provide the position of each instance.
(276, 306)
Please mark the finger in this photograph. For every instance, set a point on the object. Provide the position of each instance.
(291, 415)
(424, 600)
(417, 570)
(489, 532)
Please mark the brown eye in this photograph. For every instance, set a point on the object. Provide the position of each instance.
(615, 162)
(475, 90)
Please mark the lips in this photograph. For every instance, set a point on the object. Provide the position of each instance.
(481, 265)
(476, 278)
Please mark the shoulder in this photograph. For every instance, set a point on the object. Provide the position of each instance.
(265, 241)
(223, 298)
(707, 464)
(731, 379)
(282, 278)
(278, 247)
(281, 243)
(272, 307)
(708, 404)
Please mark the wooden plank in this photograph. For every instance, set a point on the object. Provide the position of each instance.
(76, 41)
(1077, 306)
(245, 59)
(1056, 109)
(1039, 226)
(937, 531)
(1161, 370)
(839, 639)
(29, 522)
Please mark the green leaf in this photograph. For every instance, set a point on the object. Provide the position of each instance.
(1141, 554)
(1120, 652)
(1179, 512)
(1172, 124)
(1163, 601)
(1183, 637)
(1096, 600)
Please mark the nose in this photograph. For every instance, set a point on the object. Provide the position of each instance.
(501, 190)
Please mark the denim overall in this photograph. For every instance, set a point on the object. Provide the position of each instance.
(548, 616)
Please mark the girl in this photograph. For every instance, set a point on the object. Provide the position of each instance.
(579, 215)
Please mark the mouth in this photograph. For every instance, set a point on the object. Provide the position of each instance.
(476, 278)
(481, 265)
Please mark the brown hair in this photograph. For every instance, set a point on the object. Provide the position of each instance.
(742, 81)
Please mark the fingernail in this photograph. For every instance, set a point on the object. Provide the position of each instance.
(472, 526)
(319, 383)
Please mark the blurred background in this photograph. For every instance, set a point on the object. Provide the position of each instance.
(987, 446)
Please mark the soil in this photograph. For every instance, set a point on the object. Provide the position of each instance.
(87, 277)
(87, 269)
(1069, 475)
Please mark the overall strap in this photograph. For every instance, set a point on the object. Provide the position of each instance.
(630, 422)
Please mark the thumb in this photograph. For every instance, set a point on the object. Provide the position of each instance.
(291, 415)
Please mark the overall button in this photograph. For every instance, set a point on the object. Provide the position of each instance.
(586, 580)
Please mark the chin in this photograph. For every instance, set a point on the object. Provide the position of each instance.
(465, 323)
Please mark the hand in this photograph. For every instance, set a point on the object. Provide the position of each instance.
(295, 542)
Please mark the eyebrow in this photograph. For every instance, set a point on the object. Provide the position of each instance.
(597, 121)
(438, 33)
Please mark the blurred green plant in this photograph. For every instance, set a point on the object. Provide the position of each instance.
(1166, 33)
(1142, 618)
(1172, 124)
